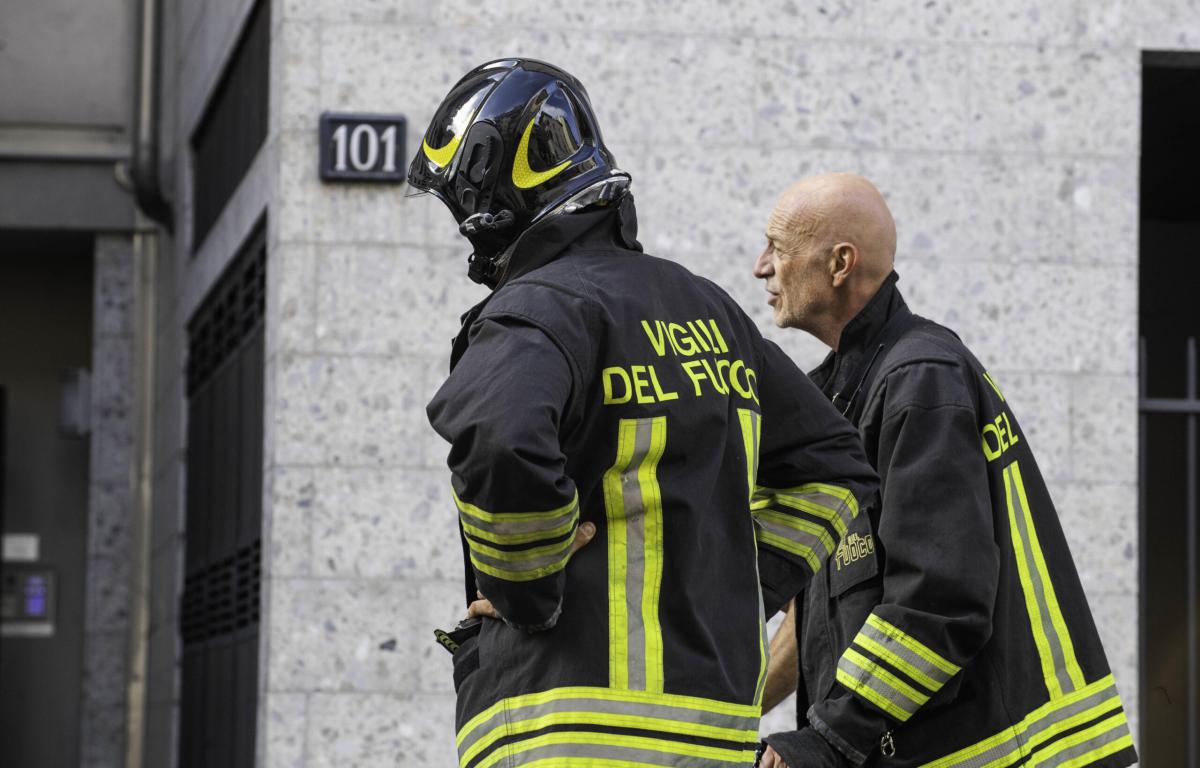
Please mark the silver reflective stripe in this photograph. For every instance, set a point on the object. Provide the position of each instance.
(864, 679)
(685, 715)
(802, 538)
(521, 564)
(762, 631)
(631, 755)
(1010, 746)
(520, 526)
(1025, 552)
(1115, 732)
(1049, 720)
(635, 555)
(903, 652)
(837, 512)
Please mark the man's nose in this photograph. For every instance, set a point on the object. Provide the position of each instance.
(762, 265)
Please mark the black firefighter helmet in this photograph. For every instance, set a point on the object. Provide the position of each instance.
(514, 142)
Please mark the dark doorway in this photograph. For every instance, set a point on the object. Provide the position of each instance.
(1169, 451)
(219, 615)
(45, 332)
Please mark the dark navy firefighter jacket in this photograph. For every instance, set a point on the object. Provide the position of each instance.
(950, 629)
(601, 384)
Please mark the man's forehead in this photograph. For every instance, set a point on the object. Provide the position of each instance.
(795, 214)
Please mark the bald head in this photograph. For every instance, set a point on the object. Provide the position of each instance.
(831, 242)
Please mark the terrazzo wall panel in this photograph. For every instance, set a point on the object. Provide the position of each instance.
(110, 506)
(1004, 134)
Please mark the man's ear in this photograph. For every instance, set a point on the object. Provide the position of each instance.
(843, 263)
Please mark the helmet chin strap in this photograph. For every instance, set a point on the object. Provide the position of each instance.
(491, 257)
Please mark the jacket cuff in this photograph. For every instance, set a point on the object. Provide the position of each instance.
(542, 627)
(853, 756)
(805, 749)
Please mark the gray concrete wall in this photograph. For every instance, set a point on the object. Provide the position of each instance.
(1005, 135)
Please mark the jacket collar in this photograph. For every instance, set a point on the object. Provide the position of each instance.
(544, 242)
(859, 340)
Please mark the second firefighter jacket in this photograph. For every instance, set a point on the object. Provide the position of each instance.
(601, 384)
(950, 630)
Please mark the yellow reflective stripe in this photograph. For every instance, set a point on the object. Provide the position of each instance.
(517, 575)
(1031, 604)
(680, 701)
(521, 555)
(787, 545)
(633, 509)
(523, 176)
(615, 720)
(588, 762)
(799, 524)
(614, 507)
(992, 382)
(652, 516)
(912, 644)
(521, 538)
(1048, 712)
(1099, 753)
(873, 669)
(750, 422)
(1091, 713)
(442, 157)
(848, 680)
(739, 757)
(1056, 617)
(796, 498)
(836, 491)
(513, 517)
(1109, 725)
(898, 663)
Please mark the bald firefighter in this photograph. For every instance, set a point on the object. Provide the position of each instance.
(599, 388)
(950, 630)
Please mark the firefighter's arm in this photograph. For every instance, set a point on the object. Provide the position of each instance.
(783, 669)
(941, 565)
(813, 477)
(501, 409)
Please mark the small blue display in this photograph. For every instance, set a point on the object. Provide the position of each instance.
(35, 596)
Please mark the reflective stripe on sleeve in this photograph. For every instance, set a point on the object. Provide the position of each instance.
(823, 502)
(877, 685)
(538, 543)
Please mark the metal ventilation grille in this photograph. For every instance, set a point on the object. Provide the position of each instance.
(219, 610)
(232, 311)
(224, 597)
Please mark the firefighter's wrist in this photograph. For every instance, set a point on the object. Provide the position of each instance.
(805, 749)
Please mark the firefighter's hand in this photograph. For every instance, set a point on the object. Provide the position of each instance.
(771, 759)
(483, 606)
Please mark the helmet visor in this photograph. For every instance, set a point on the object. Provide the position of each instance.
(446, 131)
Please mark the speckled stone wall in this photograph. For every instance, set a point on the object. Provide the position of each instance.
(110, 506)
(1004, 134)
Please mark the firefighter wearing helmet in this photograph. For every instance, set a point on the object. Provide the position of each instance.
(601, 389)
